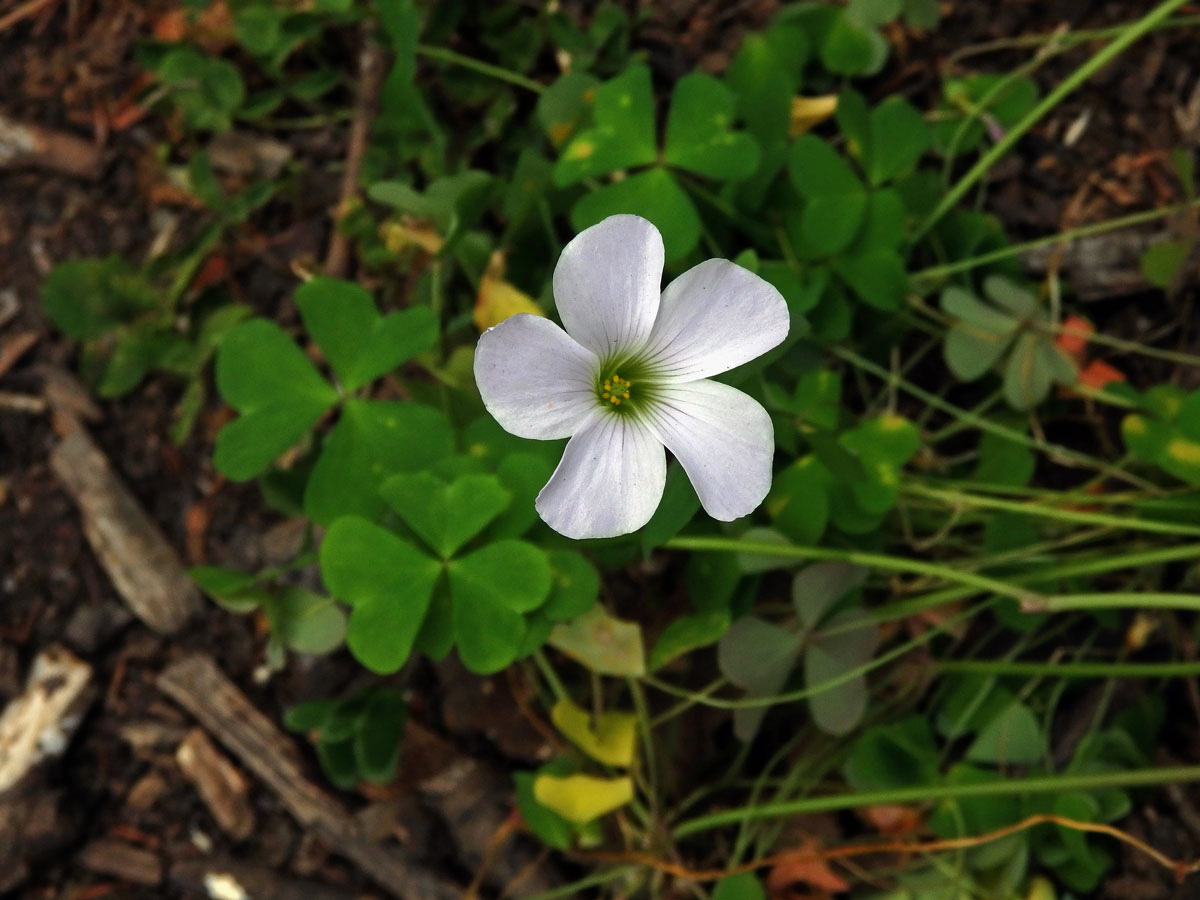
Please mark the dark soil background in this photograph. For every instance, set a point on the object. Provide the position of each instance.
(118, 789)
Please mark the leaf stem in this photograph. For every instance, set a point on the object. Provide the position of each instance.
(1000, 787)
(444, 54)
(856, 557)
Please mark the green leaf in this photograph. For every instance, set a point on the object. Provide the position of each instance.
(899, 138)
(373, 440)
(852, 48)
(562, 106)
(1002, 461)
(878, 277)
(1162, 262)
(899, 754)
(306, 622)
(378, 743)
(359, 344)
(818, 587)
(445, 516)
(757, 656)
(873, 13)
(207, 90)
(698, 136)
(799, 502)
(338, 763)
(604, 644)
(623, 133)
(1026, 376)
(889, 438)
(753, 563)
(686, 634)
(739, 887)
(258, 29)
(1015, 298)
(1013, 737)
(884, 223)
(971, 353)
(523, 476)
(837, 710)
(679, 504)
(309, 716)
(574, 586)
(654, 195)
(263, 375)
(386, 580)
(88, 298)
(553, 829)
(973, 312)
(835, 200)
(492, 588)
(402, 27)
(923, 14)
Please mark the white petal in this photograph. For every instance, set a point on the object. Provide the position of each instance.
(607, 284)
(713, 317)
(724, 441)
(609, 481)
(535, 380)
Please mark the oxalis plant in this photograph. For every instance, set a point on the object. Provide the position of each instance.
(851, 515)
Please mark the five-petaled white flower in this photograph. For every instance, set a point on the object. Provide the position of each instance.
(631, 374)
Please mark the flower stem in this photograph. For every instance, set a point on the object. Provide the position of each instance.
(1101, 58)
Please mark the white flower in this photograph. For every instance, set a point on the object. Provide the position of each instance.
(631, 374)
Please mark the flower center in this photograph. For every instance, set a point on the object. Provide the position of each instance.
(616, 390)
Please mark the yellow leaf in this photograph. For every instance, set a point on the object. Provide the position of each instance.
(609, 738)
(808, 112)
(582, 798)
(399, 236)
(606, 645)
(1041, 889)
(497, 299)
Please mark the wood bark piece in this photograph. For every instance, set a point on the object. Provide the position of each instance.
(40, 722)
(23, 144)
(35, 820)
(122, 860)
(196, 684)
(144, 568)
(220, 785)
(226, 878)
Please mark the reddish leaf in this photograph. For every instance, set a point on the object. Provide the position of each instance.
(1097, 374)
(803, 865)
(892, 820)
(1073, 338)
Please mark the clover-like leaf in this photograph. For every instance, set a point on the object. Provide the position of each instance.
(445, 516)
(574, 586)
(653, 194)
(359, 344)
(264, 376)
(1013, 737)
(816, 588)
(386, 580)
(304, 621)
(492, 588)
(698, 135)
(372, 440)
(688, 633)
(835, 200)
(836, 710)
(622, 135)
(757, 656)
